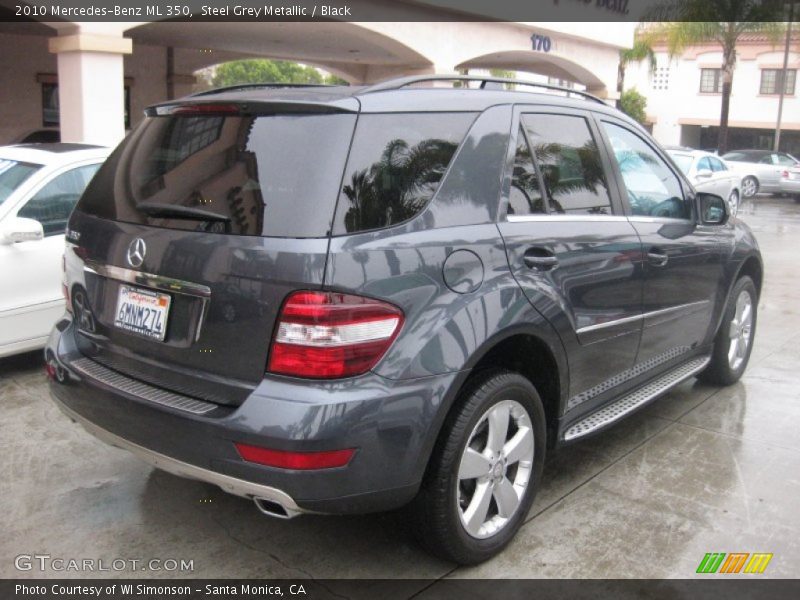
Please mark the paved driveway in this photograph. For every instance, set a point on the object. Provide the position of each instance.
(702, 470)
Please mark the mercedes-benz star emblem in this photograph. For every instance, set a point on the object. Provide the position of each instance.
(136, 252)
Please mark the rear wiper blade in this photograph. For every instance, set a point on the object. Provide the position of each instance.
(171, 211)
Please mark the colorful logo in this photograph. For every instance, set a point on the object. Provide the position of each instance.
(735, 562)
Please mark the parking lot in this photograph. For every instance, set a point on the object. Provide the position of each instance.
(703, 469)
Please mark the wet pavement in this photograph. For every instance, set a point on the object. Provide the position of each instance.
(703, 469)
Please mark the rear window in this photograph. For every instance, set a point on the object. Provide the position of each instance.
(274, 175)
(396, 164)
(684, 162)
(12, 175)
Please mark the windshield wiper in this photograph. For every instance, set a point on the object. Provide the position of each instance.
(170, 211)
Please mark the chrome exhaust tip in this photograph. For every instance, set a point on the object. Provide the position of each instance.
(274, 509)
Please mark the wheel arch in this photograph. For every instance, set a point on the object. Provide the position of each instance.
(545, 366)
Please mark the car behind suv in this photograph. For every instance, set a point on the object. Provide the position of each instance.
(432, 287)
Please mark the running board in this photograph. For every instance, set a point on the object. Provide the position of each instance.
(637, 398)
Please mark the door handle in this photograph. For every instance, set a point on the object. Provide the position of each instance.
(539, 258)
(657, 257)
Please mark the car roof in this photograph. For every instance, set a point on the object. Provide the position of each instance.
(53, 154)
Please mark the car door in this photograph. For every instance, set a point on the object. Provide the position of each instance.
(31, 271)
(722, 177)
(769, 173)
(683, 258)
(571, 249)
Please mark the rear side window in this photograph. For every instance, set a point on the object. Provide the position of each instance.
(569, 161)
(273, 175)
(524, 197)
(716, 165)
(396, 164)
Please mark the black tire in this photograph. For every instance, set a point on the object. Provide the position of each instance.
(435, 511)
(719, 371)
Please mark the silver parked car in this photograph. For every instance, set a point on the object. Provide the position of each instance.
(765, 171)
(709, 173)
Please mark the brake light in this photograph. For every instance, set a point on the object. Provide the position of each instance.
(295, 460)
(198, 109)
(785, 174)
(327, 335)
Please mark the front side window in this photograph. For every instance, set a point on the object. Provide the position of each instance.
(569, 162)
(704, 163)
(396, 164)
(711, 81)
(524, 197)
(52, 205)
(653, 189)
(771, 81)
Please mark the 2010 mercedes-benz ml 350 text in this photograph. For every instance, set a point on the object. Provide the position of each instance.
(344, 300)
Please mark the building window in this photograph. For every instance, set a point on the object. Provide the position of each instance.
(661, 78)
(710, 81)
(50, 105)
(771, 81)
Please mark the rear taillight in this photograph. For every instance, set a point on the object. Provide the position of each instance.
(326, 335)
(785, 174)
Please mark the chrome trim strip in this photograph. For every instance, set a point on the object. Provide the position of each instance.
(643, 219)
(623, 321)
(563, 218)
(160, 282)
(232, 485)
(615, 411)
(168, 284)
(97, 372)
(643, 316)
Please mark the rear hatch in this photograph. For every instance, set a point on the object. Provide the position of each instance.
(192, 234)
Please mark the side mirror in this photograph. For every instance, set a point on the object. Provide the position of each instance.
(713, 209)
(20, 229)
(703, 173)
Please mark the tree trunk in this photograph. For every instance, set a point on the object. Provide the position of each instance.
(728, 64)
(620, 82)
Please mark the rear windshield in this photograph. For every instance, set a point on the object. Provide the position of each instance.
(684, 162)
(12, 175)
(275, 175)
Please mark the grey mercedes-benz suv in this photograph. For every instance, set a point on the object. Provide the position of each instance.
(343, 300)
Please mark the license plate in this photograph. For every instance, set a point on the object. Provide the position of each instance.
(142, 312)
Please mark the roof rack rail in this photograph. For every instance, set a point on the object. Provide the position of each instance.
(401, 82)
(256, 86)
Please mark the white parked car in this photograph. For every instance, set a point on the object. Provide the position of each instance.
(709, 173)
(39, 186)
(766, 171)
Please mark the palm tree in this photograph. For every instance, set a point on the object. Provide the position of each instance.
(642, 49)
(724, 22)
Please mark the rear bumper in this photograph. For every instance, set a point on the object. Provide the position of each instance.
(790, 186)
(392, 425)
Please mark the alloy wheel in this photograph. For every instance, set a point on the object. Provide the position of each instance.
(749, 187)
(495, 469)
(741, 330)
